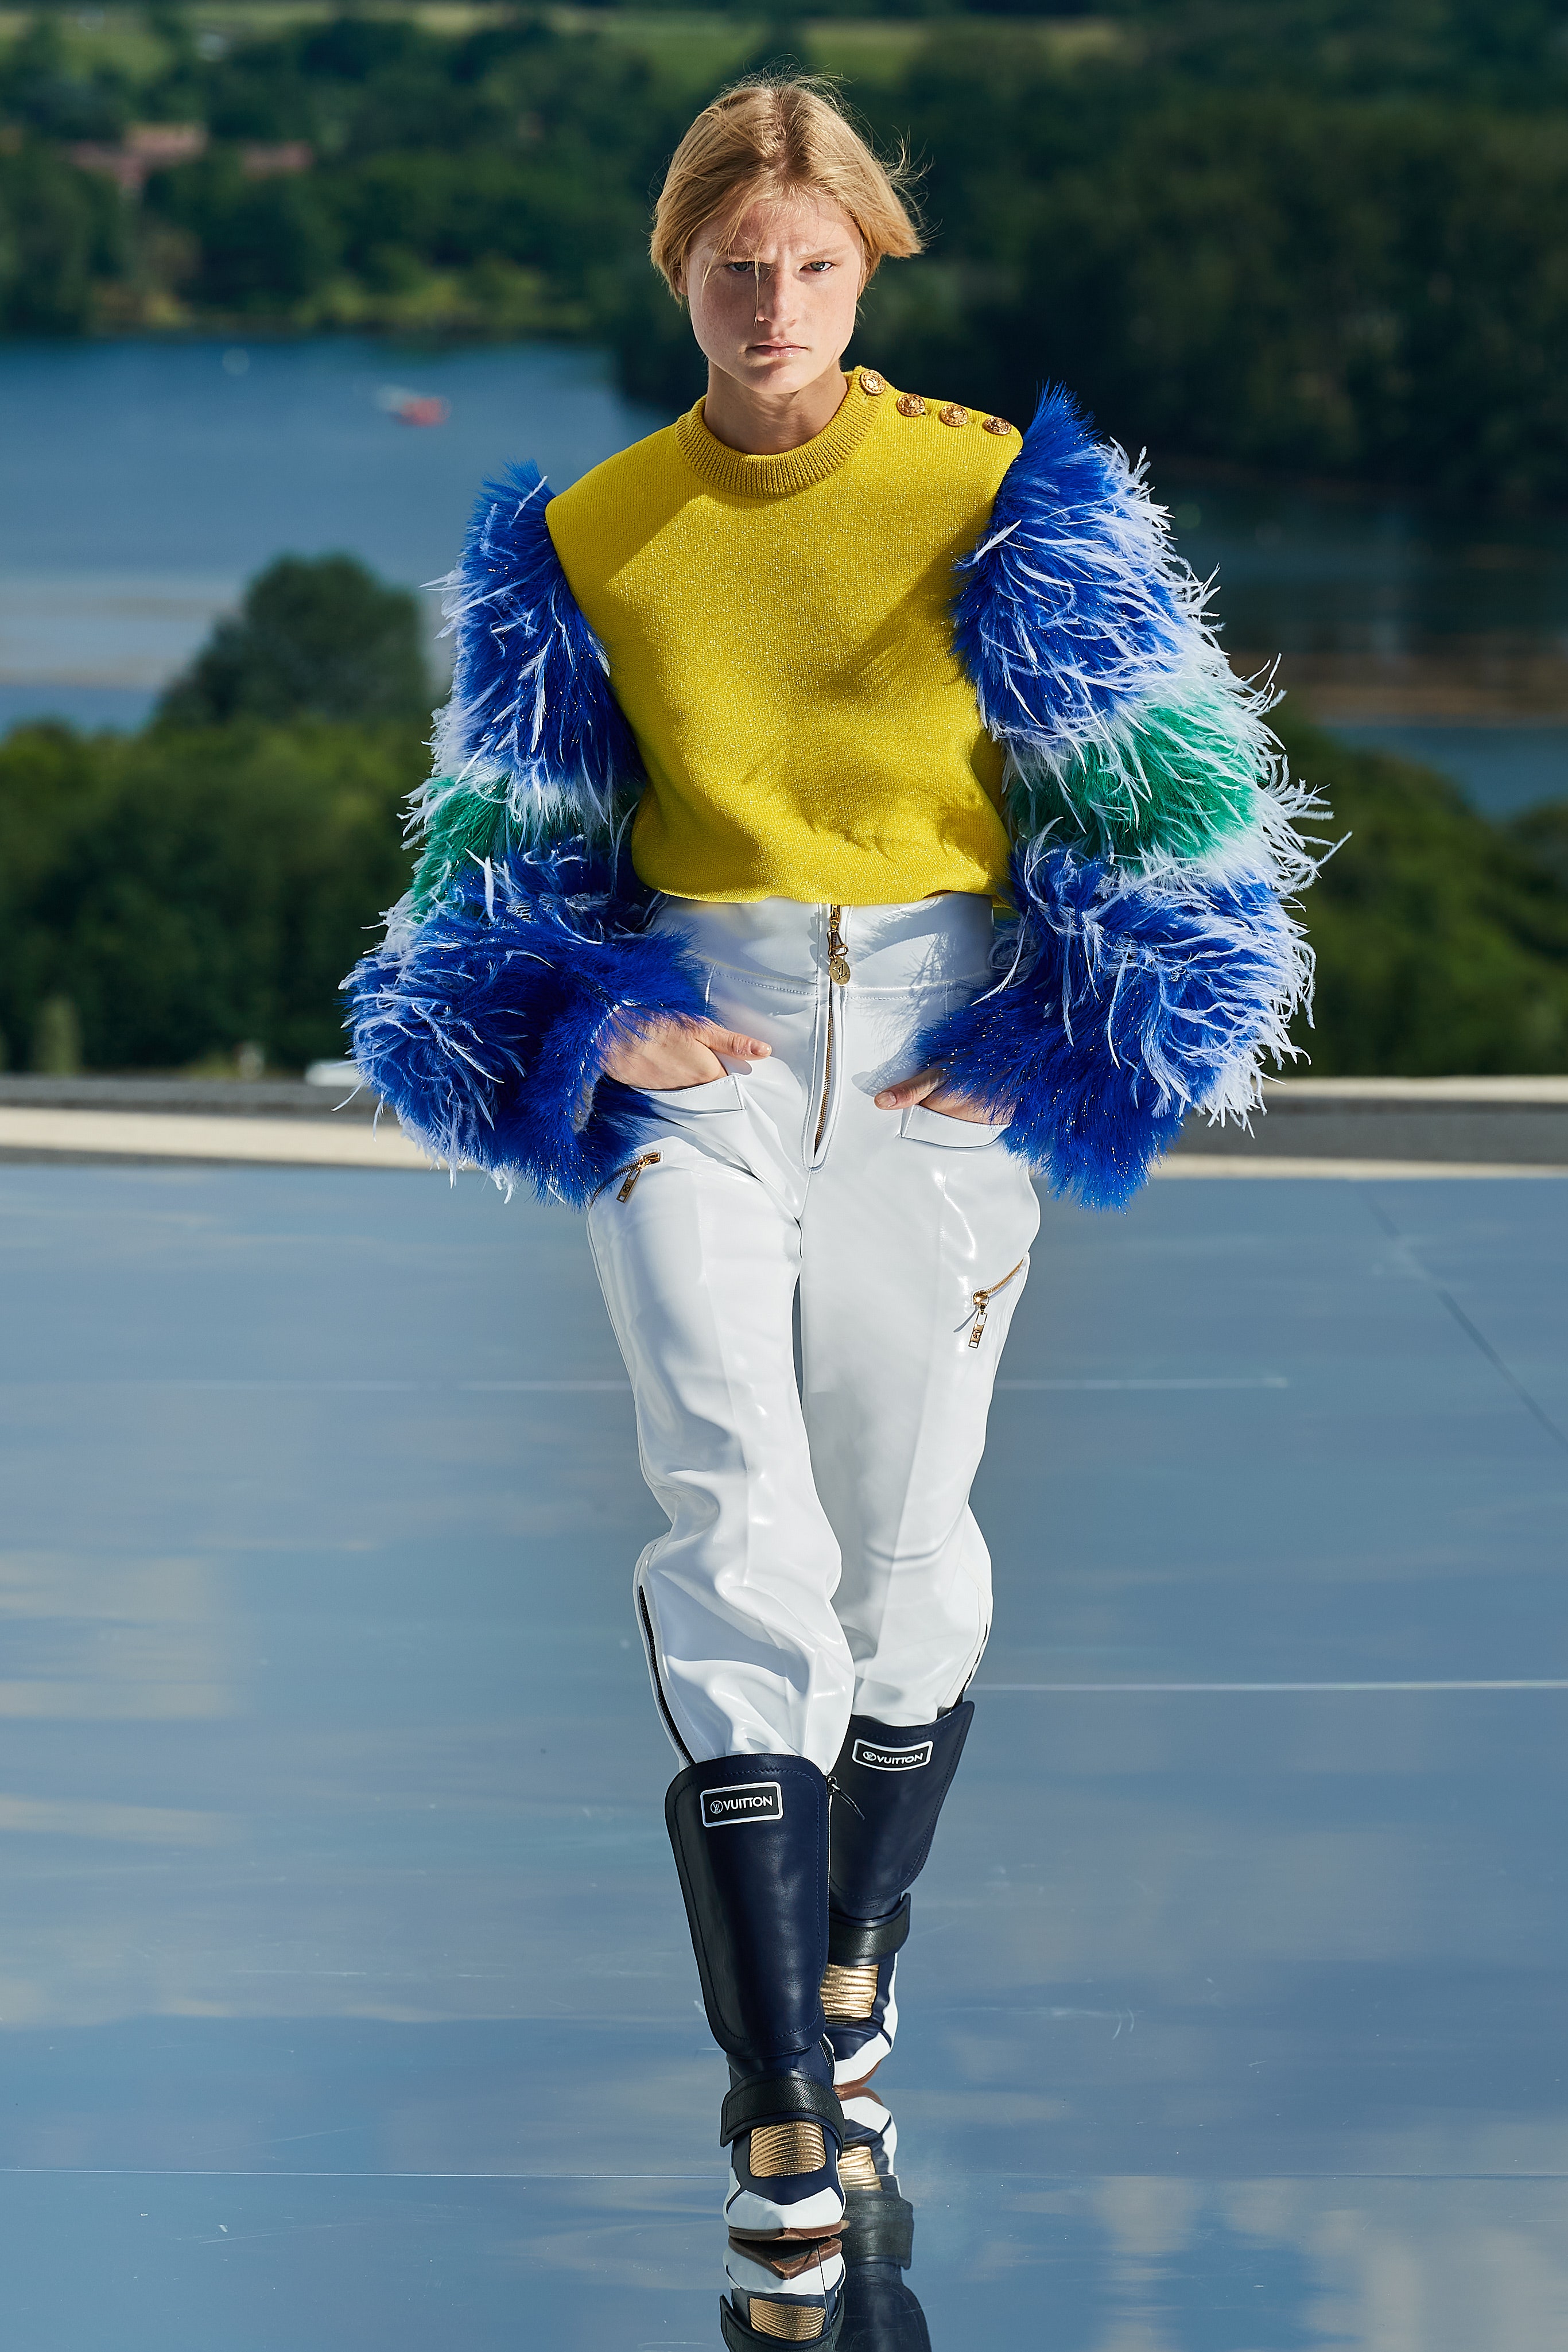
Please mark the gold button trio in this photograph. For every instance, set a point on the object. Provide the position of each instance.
(910, 404)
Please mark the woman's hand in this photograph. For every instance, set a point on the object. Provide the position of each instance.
(926, 1087)
(673, 1054)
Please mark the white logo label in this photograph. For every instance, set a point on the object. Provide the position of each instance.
(748, 1801)
(891, 1759)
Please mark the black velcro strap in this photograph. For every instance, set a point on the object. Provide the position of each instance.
(879, 2227)
(856, 1943)
(779, 2099)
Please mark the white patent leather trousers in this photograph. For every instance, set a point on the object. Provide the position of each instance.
(821, 1559)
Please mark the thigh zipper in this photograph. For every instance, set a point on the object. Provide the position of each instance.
(629, 1175)
(628, 1182)
(981, 1302)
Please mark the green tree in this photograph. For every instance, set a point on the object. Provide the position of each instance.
(190, 893)
(318, 636)
(1442, 939)
(59, 231)
(39, 86)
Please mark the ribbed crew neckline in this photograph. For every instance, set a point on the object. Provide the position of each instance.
(792, 469)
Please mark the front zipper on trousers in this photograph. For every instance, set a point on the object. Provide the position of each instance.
(981, 1300)
(837, 977)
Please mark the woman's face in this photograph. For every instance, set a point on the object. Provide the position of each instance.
(773, 306)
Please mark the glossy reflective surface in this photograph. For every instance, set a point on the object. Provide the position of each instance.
(345, 1994)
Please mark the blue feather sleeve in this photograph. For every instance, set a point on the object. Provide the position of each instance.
(486, 1024)
(520, 956)
(1151, 960)
(531, 708)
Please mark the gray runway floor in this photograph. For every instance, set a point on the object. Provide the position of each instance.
(345, 1999)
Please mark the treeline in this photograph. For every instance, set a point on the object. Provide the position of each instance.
(170, 898)
(1283, 233)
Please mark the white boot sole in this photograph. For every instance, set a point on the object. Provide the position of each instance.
(820, 2215)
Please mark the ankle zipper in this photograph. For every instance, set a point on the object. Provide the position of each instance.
(981, 1302)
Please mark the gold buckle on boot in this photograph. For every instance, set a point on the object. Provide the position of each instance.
(779, 2151)
(849, 1995)
(790, 2323)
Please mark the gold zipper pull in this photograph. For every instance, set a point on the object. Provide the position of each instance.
(838, 961)
(648, 1159)
(981, 1300)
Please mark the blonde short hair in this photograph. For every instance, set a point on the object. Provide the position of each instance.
(768, 138)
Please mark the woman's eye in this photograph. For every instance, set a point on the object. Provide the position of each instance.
(818, 268)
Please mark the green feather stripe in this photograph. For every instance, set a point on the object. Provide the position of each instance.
(1180, 780)
(458, 821)
(459, 824)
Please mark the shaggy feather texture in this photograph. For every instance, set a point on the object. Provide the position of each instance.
(1154, 962)
(487, 1021)
(458, 827)
(1178, 779)
(1117, 1009)
(531, 730)
(1074, 607)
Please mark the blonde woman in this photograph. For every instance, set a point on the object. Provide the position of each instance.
(843, 811)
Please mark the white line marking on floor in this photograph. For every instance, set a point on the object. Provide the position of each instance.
(1263, 1380)
(1221, 1689)
(345, 1387)
(1349, 1171)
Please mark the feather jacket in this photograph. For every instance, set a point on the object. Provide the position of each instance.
(1149, 963)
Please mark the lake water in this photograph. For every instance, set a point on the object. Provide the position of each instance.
(141, 483)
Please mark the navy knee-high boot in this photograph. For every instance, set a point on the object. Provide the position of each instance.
(887, 1788)
(749, 1835)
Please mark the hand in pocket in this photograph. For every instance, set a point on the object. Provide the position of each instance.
(669, 1055)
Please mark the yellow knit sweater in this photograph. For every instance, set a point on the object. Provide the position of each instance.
(779, 637)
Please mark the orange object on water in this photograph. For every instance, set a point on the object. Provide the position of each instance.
(412, 407)
(422, 411)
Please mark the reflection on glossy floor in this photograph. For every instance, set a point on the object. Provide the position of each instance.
(345, 1992)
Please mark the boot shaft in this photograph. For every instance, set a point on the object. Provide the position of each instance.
(749, 1836)
(889, 1787)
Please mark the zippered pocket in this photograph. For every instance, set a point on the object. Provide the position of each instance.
(981, 1302)
(628, 1176)
(629, 1180)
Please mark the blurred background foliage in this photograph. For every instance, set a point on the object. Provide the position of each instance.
(1290, 235)
(205, 883)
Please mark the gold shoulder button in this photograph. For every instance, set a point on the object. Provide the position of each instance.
(953, 413)
(910, 404)
(872, 384)
(997, 424)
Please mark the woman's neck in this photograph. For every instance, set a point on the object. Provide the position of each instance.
(763, 424)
